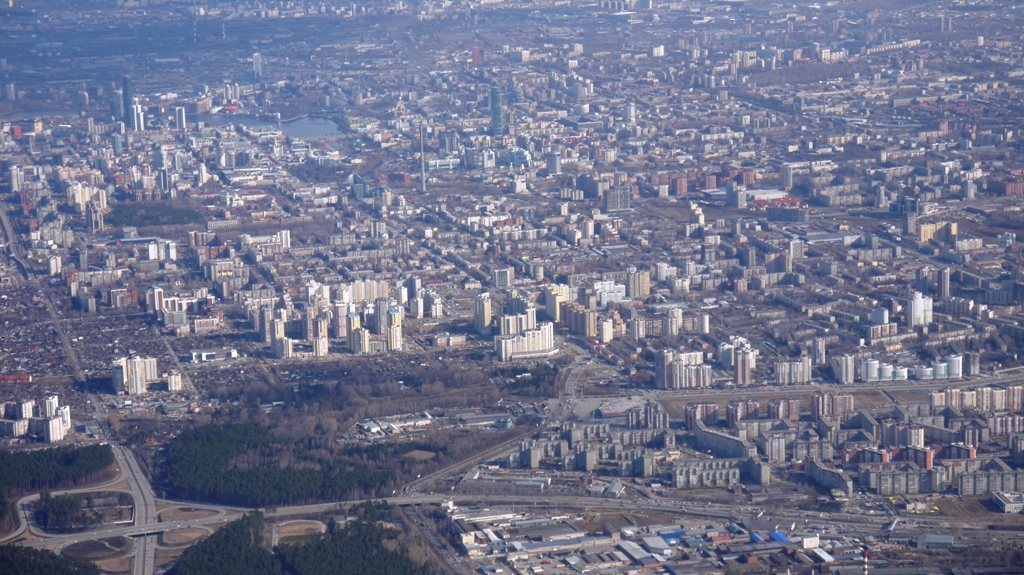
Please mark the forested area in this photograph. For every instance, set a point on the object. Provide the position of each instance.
(247, 464)
(6, 514)
(69, 512)
(360, 548)
(236, 549)
(57, 468)
(142, 214)
(18, 560)
(538, 381)
(357, 549)
(62, 512)
(334, 396)
(242, 465)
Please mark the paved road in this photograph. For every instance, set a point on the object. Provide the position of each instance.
(17, 253)
(24, 513)
(145, 510)
(145, 521)
(69, 350)
(439, 547)
(146, 525)
(559, 410)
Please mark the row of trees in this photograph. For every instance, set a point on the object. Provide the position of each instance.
(57, 468)
(18, 560)
(360, 548)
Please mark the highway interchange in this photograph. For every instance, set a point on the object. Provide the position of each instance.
(147, 524)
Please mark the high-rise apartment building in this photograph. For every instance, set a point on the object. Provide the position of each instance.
(179, 118)
(138, 118)
(818, 352)
(131, 374)
(638, 283)
(536, 342)
(257, 66)
(503, 277)
(830, 404)
(944, 275)
(554, 296)
(844, 368)
(784, 409)
(919, 310)
(127, 99)
(744, 365)
(618, 198)
(497, 112)
(482, 313)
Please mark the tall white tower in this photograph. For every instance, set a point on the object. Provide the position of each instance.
(257, 66)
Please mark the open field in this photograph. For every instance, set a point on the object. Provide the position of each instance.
(297, 531)
(116, 565)
(184, 514)
(99, 549)
(181, 536)
(165, 556)
(420, 455)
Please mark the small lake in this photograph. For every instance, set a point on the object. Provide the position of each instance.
(305, 127)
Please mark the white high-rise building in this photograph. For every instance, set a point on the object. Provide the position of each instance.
(606, 331)
(174, 381)
(503, 277)
(844, 368)
(17, 178)
(50, 406)
(257, 66)
(64, 414)
(674, 370)
(793, 372)
(131, 374)
(482, 313)
(179, 118)
(138, 118)
(536, 342)
(53, 430)
(919, 310)
(818, 351)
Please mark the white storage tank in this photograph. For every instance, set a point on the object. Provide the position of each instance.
(956, 366)
(870, 370)
(885, 372)
(899, 373)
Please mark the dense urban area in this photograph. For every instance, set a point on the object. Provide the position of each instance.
(502, 286)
